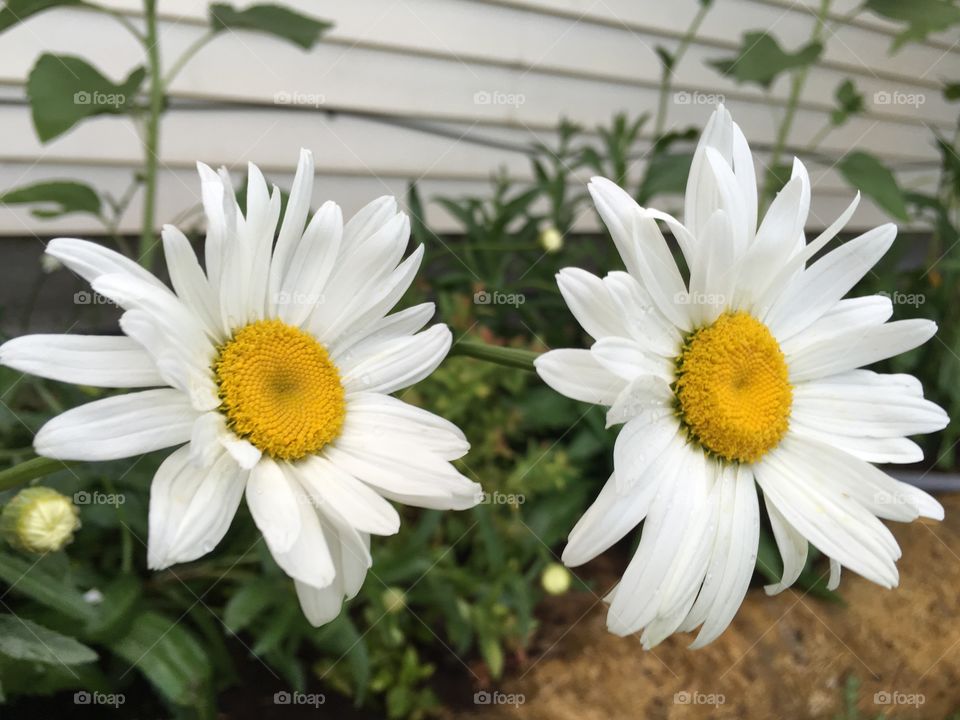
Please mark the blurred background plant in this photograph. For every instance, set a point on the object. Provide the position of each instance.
(452, 600)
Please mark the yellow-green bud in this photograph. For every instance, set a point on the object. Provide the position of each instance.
(555, 579)
(39, 520)
(550, 239)
(394, 599)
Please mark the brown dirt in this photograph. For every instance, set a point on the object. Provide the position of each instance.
(783, 657)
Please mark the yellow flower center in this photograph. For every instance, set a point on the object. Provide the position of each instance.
(733, 388)
(280, 389)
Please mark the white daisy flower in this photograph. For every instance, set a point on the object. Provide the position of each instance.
(745, 372)
(273, 372)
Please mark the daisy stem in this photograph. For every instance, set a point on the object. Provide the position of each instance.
(151, 141)
(797, 82)
(30, 470)
(508, 357)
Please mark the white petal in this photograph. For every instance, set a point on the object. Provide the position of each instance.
(294, 219)
(578, 375)
(191, 508)
(355, 502)
(792, 545)
(399, 324)
(351, 558)
(820, 286)
(671, 517)
(733, 559)
(118, 427)
(859, 410)
(588, 299)
(102, 361)
(396, 363)
(300, 546)
(190, 283)
(828, 518)
(274, 505)
(647, 396)
(834, 582)
(90, 261)
(639, 443)
(627, 359)
(639, 316)
(855, 349)
(375, 415)
(313, 261)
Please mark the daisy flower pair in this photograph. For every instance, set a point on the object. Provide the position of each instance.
(272, 371)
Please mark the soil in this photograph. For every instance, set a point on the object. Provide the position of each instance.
(788, 656)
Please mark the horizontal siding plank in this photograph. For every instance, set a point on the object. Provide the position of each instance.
(386, 82)
(178, 193)
(470, 33)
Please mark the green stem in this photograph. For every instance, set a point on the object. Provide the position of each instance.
(796, 87)
(32, 469)
(187, 55)
(508, 357)
(151, 142)
(666, 82)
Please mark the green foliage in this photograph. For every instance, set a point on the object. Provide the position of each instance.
(63, 90)
(269, 19)
(849, 102)
(761, 59)
(28, 641)
(16, 11)
(865, 172)
(921, 17)
(56, 198)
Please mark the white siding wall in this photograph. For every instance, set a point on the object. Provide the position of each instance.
(427, 59)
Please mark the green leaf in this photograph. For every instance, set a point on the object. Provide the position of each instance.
(168, 655)
(33, 580)
(666, 174)
(761, 59)
(118, 608)
(921, 17)
(16, 11)
(23, 639)
(951, 92)
(59, 197)
(874, 179)
(270, 19)
(665, 57)
(247, 603)
(849, 102)
(64, 90)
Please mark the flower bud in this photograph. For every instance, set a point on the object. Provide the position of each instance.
(550, 239)
(39, 520)
(555, 579)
